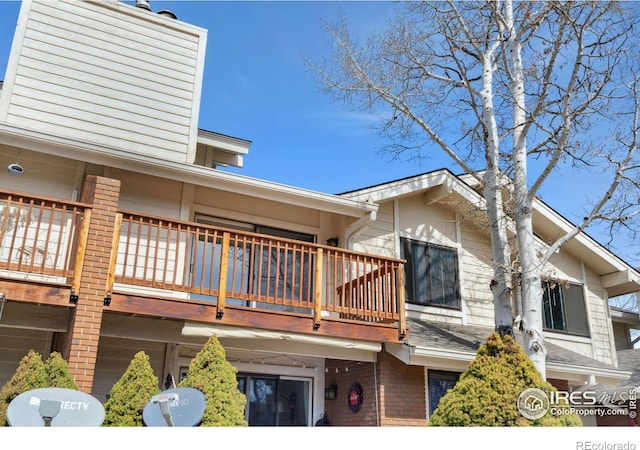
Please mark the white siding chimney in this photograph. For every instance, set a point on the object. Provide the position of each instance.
(106, 73)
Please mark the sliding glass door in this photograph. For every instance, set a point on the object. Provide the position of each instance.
(276, 400)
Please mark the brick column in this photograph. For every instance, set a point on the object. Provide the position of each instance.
(81, 346)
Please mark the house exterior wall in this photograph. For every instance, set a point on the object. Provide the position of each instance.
(254, 210)
(402, 393)
(337, 411)
(379, 237)
(43, 174)
(15, 344)
(621, 336)
(412, 217)
(114, 357)
(476, 274)
(565, 267)
(107, 74)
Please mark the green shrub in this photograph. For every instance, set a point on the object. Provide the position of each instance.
(31, 374)
(487, 392)
(215, 377)
(58, 372)
(131, 394)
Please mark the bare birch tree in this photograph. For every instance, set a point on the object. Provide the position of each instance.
(515, 91)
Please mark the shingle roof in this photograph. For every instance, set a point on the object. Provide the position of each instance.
(467, 338)
(630, 360)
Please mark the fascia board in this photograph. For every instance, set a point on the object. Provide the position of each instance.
(198, 175)
(555, 370)
(629, 317)
(583, 239)
(413, 185)
(264, 339)
(427, 356)
(221, 142)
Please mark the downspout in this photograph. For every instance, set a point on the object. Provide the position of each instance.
(358, 227)
(375, 383)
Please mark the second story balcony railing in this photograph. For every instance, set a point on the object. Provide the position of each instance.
(43, 240)
(38, 236)
(231, 267)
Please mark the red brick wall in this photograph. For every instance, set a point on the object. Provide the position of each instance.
(399, 400)
(402, 392)
(349, 372)
(81, 346)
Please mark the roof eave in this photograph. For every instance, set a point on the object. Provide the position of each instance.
(187, 173)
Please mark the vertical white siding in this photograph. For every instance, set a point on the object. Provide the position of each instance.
(106, 73)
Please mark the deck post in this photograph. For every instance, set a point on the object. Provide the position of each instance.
(222, 281)
(402, 325)
(81, 247)
(115, 241)
(317, 291)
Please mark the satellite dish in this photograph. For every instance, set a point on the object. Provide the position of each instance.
(55, 407)
(178, 407)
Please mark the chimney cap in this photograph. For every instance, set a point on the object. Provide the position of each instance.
(144, 4)
(166, 12)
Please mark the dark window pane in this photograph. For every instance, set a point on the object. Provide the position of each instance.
(431, 274)
(564, 309)
(575, 310)
(439, 383)
(407, 254)
(421, 275)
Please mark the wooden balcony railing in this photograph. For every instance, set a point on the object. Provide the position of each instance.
(258, 271)
(43, 239)
(38, 235)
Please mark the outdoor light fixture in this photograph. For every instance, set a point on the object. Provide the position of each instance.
(15, 169)
(333, 241)
(330, 392)
(3, 300)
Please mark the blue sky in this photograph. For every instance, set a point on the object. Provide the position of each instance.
(257, 87)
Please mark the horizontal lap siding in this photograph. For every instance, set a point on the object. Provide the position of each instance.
(105, 76)
(564, 266)
(114, 357)
(378, 238)
(599, 319)
(146, 194)
(477, 272)
(15, 344)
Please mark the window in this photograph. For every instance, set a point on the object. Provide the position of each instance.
(563, 308)
(431, 274)
(439, 383)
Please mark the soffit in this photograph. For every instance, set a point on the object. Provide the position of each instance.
(187, 173)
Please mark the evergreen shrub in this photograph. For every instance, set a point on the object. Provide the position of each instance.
(30, 374)
(215, 377)
(131, 393)
(487, 392)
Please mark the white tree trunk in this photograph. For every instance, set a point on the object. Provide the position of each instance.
(500, 248)
(529, 260)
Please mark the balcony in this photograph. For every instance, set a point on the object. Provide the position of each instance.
(175, 269)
